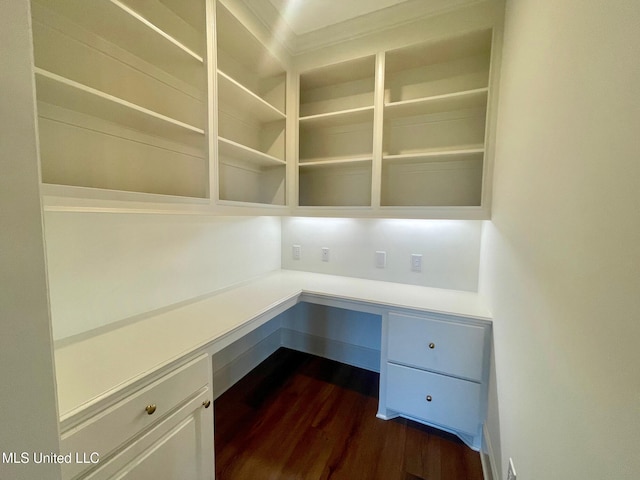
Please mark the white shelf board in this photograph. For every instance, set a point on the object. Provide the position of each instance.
(113, 20)
(334, 119)
(65, 93)
(232, 95)
(436, 153)
(86, 199)
(334, 161)
(468, 99)
(247, 154)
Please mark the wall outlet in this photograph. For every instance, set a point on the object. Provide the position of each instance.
(297, 252)
(511, 473)
(381, 259)
(416, 262)
(325, 254)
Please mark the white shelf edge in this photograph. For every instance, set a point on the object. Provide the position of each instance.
(267, 159)
(73, 198)
(458, 151)
(330, 115)
(156, 29)
(251, 94)
(341, 161)
(115, 100)
(249, 205)
(435, 98)
(408, 212)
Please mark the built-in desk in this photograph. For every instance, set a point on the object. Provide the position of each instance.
(96, 371)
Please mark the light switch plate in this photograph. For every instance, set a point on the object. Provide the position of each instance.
(325, 254)
(297, 252)
(381, 259)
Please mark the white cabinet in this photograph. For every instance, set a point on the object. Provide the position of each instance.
(163, 429)
(434, 369)
(122, 96)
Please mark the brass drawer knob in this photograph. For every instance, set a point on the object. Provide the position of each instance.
(150, 409)
(432, 346)
(206, 403)
(429, 398)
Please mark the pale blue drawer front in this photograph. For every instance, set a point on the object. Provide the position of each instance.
(442, 346)
(454, 403)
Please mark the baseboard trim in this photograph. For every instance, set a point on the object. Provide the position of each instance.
(354, 355)
(486, 456)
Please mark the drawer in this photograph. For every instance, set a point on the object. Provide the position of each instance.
(443, 346)
(454, 403)
(112, 427)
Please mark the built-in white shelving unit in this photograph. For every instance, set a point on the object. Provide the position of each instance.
(251, 116)
(434, 127)
(142, 102)
(399, 130)
(336, 120)
(122, 96)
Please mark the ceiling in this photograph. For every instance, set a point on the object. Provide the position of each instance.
(304, 16)
(305, 25)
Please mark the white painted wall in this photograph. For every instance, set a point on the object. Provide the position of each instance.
(28, 405)
(104, 268)
(450, 249)
(561, 257)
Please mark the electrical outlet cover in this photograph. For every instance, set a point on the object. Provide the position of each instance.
(381, 259)
(325, 254)
(297, 252)
(416, 262)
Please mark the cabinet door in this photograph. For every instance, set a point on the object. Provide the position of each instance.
(179, 448)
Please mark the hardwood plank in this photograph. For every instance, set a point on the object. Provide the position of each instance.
(297, 416)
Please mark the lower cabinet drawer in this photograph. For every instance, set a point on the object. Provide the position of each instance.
(448, 347)
(109, 429)
(434, 398)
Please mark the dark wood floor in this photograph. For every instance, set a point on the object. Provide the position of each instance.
(302, 417)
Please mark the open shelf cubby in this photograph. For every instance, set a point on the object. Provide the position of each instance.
(336, 134)
(434, 127)
(251, 85)
(121, 90)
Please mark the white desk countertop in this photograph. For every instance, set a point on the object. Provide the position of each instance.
(90, 368)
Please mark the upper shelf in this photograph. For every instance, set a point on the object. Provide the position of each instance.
(436, 154)
(334, 119)
(233, 149)
(71, 95)
(114, 20)
(476, 98)
(234, 95)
